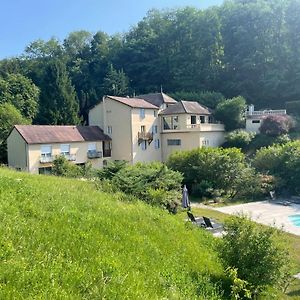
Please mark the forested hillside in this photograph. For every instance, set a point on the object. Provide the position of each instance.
(243, 47)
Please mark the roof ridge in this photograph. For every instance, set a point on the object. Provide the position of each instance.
(181, 101)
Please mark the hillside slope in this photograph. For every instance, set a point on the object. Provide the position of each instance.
(61, 238)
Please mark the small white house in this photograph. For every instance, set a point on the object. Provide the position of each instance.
(254, 118)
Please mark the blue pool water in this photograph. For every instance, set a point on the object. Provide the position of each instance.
(295, 219)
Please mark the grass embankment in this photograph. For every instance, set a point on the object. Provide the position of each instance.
(61, 238)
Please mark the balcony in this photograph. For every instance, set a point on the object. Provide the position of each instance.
(93, 154)
(145, 136)
(266, 112)
(70, 157)
(198, 127)
(46, 159)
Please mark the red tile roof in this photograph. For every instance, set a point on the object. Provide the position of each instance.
(43, 134)
(133, 102)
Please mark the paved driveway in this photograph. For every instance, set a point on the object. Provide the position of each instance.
(267, 213)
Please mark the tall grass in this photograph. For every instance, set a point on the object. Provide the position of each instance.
(63, 239)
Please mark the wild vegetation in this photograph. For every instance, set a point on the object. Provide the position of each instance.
(247, 48)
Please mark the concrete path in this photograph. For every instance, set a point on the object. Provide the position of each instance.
(267, 213)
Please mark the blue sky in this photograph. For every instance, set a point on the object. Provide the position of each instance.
(23, 21)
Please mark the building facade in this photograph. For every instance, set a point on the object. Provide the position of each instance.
(33, 148)
(151, 127)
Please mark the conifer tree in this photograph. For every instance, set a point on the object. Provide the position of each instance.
(58, 101)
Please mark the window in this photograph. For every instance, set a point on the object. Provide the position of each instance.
(205, 143)
(109, 129)
(170, 123)
(156, 144)
(155, 113)
(193, 120)
(202, 119)
(65, 149)
(143, 128)
(255, 121)
(142, 113)
(92, 147)
(174, 142)
(154, 129)
(45, 171)
(144, 145)
(46, 150)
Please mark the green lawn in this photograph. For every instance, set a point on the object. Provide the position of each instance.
(63, 239)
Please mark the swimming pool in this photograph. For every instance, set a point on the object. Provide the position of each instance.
(295, 219)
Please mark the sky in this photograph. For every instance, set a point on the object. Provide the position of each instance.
(24, 21)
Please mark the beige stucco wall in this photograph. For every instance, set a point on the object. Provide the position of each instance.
(96, 116)
(118, 116)
(79, 149)
(150, 154)
(190, 140)
(17, 151)
(253, 127)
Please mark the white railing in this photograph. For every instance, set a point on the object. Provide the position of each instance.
(46, 159)
(70, 157)
(267, 112)
(199, 127)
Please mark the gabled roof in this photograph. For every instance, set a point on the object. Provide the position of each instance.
(133, 102)
(186, 107)
(158, 99)
(44, 134)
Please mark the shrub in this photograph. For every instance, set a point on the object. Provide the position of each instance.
(282, 161)
(257, 253)
(152, 182)
(62, 167)
(210, 168)
(275, 125)
(231, 112)
(239, 138)
(111, 169)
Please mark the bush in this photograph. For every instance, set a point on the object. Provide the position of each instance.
(282, 161)
(275, 125)
(153, 183)
(207, 169)
(257, 253)
(111, 169)
(62, 167)
(239, 138)
(231, 112)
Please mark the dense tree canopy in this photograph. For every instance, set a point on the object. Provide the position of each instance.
(21, 92)
(247, 48)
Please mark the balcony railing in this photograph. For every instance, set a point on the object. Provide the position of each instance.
(267, 112)
(198, 127)
(70, 157)
(145, 136)
(107, 153)
(94, 154)
(46, 159)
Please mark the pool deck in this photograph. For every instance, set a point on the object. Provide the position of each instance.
(268, 213)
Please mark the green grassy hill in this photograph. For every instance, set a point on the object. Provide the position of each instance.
(61, 238)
